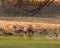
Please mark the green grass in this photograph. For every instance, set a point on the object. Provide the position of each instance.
(17, 42)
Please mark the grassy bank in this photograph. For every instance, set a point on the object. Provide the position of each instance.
(16, 42)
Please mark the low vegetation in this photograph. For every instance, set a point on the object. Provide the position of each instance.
(16, 42)
(29, 30)
(16, 34)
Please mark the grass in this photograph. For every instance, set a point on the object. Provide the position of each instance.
(32, 19)
(17, 42)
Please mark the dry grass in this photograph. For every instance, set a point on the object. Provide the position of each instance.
(8, 25)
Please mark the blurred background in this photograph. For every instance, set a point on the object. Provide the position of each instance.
(13, 8)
